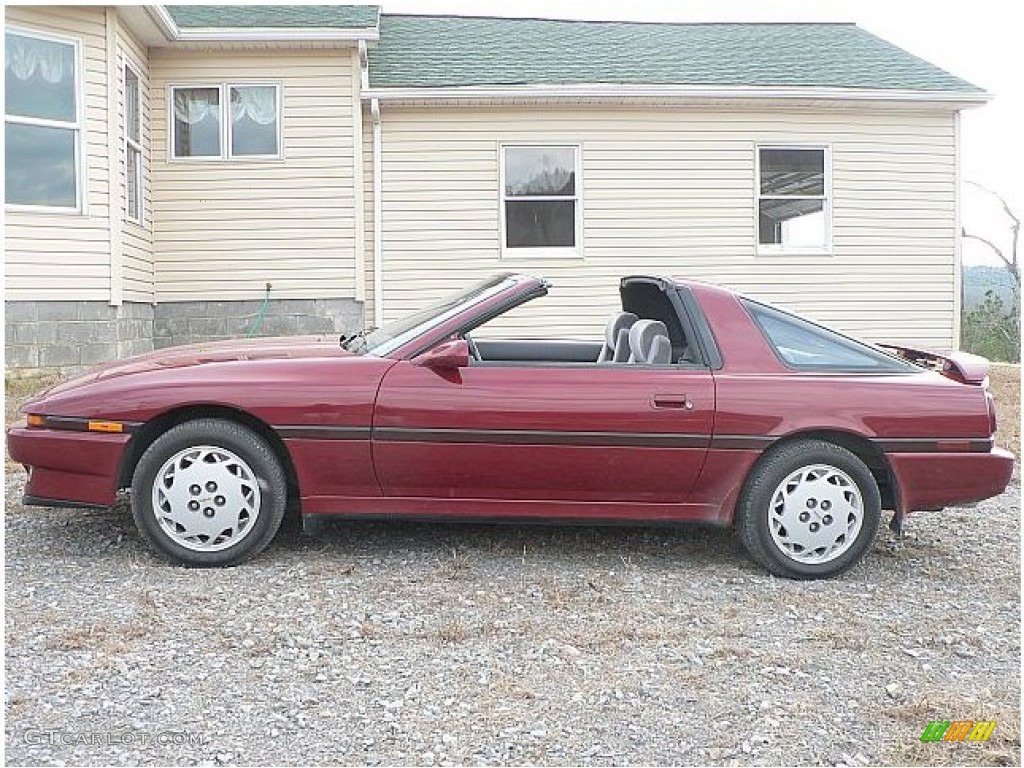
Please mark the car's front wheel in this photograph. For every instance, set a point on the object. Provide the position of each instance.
(809, 510)
(209, 492)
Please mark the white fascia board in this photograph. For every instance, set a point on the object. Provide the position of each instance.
(274, 34)
(710, 92)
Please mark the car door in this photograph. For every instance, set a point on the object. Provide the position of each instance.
(537, 431)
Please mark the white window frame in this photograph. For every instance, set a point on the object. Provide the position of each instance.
(77, 127)
(542, 252)
(225, 122)
(781, 248)
(130, 145)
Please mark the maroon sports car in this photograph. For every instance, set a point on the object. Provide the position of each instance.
(697, 405)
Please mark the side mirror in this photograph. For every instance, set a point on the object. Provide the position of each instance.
(450, 355)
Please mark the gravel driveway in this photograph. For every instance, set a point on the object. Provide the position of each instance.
(434, 644)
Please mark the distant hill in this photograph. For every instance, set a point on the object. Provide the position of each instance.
(979, 278)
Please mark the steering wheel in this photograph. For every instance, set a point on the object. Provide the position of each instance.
(474, 350)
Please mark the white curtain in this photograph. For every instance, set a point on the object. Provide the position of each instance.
(257, 103)
(25, 57)
(193, 106)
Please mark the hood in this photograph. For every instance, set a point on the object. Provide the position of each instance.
(267, 348)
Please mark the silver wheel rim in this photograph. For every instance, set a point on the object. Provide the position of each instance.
(206, 498)
(815, 514)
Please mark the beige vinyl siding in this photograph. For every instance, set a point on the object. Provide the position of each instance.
(369, 223)
(136, 241)
(672, 191)
(224, 228)
(67, 255)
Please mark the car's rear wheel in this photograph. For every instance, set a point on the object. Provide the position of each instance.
(209, 492)
(809, 510)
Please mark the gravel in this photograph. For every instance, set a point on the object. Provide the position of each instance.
(437, 644)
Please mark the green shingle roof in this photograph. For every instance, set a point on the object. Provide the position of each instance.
(274, 16)
(460, 51)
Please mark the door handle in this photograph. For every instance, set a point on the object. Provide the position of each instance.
(682, 402)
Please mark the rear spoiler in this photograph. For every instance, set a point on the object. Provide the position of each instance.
(959, 366)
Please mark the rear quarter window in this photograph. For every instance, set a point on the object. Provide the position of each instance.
(803, 345)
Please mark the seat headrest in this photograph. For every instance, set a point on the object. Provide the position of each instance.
(623, 321)
(641, 339)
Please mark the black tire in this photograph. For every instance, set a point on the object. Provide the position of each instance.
(753, 507)
(247, 446)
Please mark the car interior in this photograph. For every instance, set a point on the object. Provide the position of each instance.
(647, 331)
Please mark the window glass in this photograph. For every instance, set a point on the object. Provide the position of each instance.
(39, 78)
(40, 166)
(132, 177)
(132, 112)
(254, 117)
(533, 171)
(800, 223)
(803, 344)
(540, 223)
(792, 172)
(792, 198)
(541, 202)
(197, 122)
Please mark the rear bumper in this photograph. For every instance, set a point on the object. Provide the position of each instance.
(68, 468)
(936, 480)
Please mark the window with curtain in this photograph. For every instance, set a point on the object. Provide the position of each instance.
(227, 121)
(540, 199)
(42, 123)
(793, 204)
(254, 120)
(197, 123)
(133, 144)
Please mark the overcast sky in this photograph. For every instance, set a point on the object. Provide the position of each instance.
(978, 40)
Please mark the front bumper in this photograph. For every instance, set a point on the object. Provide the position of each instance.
(68, 468)
(936, 480)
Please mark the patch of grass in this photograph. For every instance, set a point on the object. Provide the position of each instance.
(1004, 381)
(455, 567)
(1002, 748)
(453, 632)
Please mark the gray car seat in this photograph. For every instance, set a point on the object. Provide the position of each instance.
(616, 338)
(649, 343)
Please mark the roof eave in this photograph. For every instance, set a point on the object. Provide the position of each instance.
(598, 91)
(175, 34)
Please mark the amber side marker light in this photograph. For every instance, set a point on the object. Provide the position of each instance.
(106, 426)
(35, 420)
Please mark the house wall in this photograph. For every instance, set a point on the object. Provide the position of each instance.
(672, 190)
(137, 265)
(224, 229)
(64, 304)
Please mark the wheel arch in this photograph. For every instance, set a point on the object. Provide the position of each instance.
(156, 426)
(861, 447)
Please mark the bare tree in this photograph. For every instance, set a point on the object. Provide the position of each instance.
(1011, 262)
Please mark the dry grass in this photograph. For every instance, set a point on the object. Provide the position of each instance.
(1002, 748)
(1005, 384)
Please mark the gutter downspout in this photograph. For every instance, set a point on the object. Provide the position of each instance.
(378, 237)
(359, 82)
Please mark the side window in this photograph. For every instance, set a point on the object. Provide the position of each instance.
(42, 122)
(133, 144)
(793, 207)
(227, 122)
(803, 345)
(540, 200)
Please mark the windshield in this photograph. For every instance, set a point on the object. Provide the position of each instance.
(393, 335)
